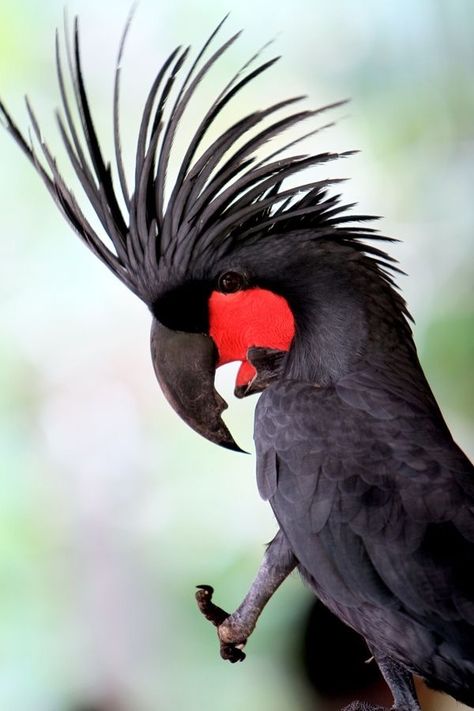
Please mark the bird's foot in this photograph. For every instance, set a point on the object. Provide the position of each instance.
(235, 629)
(230, 629)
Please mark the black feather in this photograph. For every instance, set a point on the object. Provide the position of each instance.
(222, 195)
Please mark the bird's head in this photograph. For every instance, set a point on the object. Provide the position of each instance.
(218, 262)
(224, 314)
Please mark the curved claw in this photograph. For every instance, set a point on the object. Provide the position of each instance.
(230, 651)
(211, 612)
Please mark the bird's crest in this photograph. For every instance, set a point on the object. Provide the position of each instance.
(222, 194)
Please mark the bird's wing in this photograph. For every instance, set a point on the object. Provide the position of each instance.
(374, 496)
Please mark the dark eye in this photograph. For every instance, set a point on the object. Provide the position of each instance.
(230, 282)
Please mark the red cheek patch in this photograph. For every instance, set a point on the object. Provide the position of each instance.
(253, 317)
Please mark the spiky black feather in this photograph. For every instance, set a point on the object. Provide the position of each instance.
(222, 195)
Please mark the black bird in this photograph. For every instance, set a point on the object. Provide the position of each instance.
(374, 500)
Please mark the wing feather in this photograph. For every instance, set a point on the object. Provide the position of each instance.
(372, 484)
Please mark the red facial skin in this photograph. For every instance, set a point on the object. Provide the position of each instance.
(252, 317)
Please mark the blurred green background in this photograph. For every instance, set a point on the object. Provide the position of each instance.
(111, 510)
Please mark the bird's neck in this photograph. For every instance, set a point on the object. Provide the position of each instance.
(344, 321)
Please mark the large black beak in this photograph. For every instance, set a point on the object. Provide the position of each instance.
(185, 366)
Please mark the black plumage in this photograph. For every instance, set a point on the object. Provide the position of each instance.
(221, 196)
(374, 499)
(379, 511)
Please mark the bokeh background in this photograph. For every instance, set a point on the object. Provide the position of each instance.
(110, 509)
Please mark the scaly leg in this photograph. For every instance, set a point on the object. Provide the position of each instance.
(400, 682)
(234, 630)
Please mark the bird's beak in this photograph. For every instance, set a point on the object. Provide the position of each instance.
(185, 366)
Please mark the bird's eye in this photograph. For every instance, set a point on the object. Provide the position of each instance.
(230, 282)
